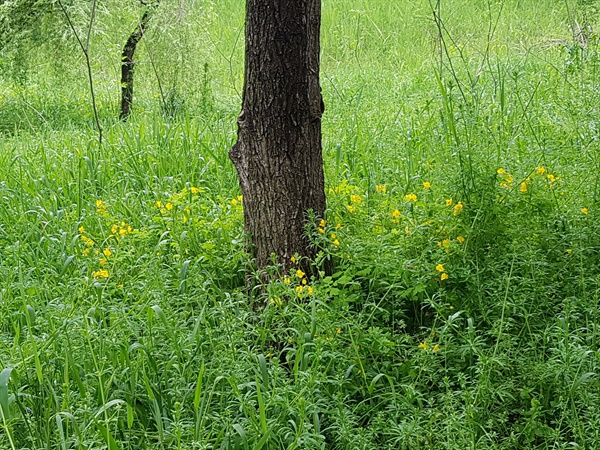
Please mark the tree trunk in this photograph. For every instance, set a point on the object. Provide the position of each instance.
(127, 66)
(278, 154)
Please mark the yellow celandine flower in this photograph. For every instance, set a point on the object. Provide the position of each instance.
(338, 226)
(169, 206)
(321, 230)
(460, 239)
(299, 289)
(584, 210)
(449, 202)
(300, 274)
(439, 268)
(310, 290)
(100, 206)
(333, 236)
(410, 197)
(356, 199)
(509, 179)
(194, 190)
(395, 214)
(458, 208)
(501, 171)
(293, 259)
(380, 188)
(81, 229)
(351, 208)
(103, 262)
(423, 345)
(540, 170)
(275, 301)
(427, 185)
(336, 243)
(503, 185)
(436, 348)
(159, 204)
(338, 330)
(569, 251)
(107, 252)
(552, 178)
(322, 223)
(86, 251)
(287, 280)
(114, 229)
(444, 276)
(102, 273)
(523, 187)
(234, 201)
(304, 281)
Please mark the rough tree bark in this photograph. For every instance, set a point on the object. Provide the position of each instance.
(278, 154)
(127, 64)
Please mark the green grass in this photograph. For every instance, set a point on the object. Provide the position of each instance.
(462, 222)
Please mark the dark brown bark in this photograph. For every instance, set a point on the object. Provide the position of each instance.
(127, 65)
(278, 154)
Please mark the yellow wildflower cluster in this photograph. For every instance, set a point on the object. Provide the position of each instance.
(442, 271)
(102, 273)
(121, 229)
(380, 188)
(100, 207)
(410, 197)
(458, 208)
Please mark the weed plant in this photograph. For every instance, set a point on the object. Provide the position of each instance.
(462, 162)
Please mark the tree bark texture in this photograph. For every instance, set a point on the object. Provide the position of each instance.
(127, 66)
(278, 155)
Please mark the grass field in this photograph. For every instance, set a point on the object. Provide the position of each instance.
(462, 176)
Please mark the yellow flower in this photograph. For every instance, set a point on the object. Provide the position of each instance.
(569, 251)
(234, 201)
(293, 259)
(103, 262)
(410, 197)
(85, 251)
(436, 348)
(299, 289)
(552, 178)
(460, 239)
(523, 187)
(322, 223)
(439, 268)
(275, 301)
(321, 230)
(287, 280)
(195, 190)
(338, 330)
(169, 206)
(81, 229)
(423, 345)
(356, 199)
(107, 252)
(444, 276)
(102, 273)
(584, 210)
(509, 179)
(159, 204)
(540, 170)
(427, 185)
(458, 208)
(395, 214)
(501, 171)
(336, 243)
(449, 202)
(100, 206)
(333, 235)
(380, 188)
(351, 208)
(300, 274)
(309, 289)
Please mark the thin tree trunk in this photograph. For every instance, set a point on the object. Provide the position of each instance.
(127, 66)
(278, 154)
